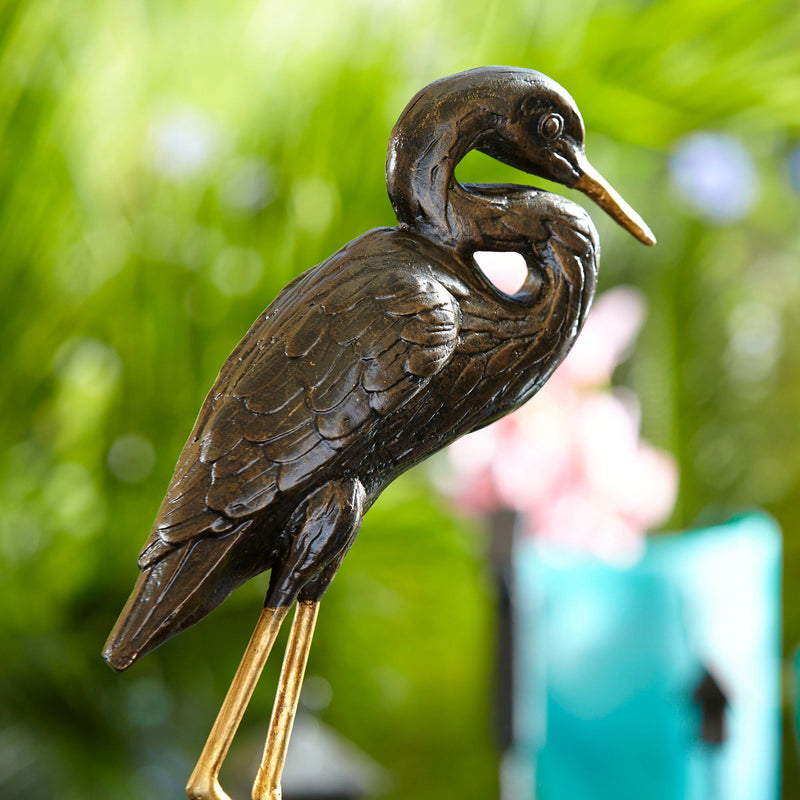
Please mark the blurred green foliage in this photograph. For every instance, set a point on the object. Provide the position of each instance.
(166, 167)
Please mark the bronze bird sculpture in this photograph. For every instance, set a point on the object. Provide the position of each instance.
(362, 367)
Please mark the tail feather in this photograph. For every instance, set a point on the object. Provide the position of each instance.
(179, 589)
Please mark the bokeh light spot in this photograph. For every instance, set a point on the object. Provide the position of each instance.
(131, 458)
(87, 365)
(754, 341)
(317, 693)
(182, 143)
(20, 537)
(237, 271)
(314, 202)
(714, 173)
(248, 187)
(72, 497)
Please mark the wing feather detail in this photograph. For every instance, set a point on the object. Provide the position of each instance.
(336, 352)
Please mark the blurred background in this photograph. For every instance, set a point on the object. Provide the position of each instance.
(166, 167)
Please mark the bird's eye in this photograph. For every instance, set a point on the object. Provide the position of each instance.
(551, 126)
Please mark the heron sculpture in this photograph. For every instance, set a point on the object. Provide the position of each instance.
(362, 367)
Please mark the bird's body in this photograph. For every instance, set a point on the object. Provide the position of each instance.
(368, 363)
(361, 367)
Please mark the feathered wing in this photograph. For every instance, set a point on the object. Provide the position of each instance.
(303, 394)
(338, 350)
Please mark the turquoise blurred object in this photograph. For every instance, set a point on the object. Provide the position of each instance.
(795, 697)
(608, 661)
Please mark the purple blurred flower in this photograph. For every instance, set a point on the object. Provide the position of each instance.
(715, 174)
(571, 462)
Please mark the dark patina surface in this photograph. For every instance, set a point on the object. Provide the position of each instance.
(362, 367)
(383, 354)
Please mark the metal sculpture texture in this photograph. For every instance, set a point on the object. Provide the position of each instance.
(362, 367)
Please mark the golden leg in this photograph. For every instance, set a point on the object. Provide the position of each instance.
(268, 782)
(204, 781)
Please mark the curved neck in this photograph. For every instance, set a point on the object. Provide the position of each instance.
(433, 134)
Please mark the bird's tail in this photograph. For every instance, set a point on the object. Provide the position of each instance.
(178, 590)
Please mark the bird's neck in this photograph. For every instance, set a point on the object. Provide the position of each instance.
(430, 138)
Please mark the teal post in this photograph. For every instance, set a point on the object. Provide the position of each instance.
(610, 660)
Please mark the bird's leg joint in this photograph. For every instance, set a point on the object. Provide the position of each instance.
(321, 530)
(204, 785)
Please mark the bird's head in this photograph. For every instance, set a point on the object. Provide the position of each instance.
(541, 132)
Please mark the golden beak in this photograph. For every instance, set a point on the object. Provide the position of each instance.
(595, 186)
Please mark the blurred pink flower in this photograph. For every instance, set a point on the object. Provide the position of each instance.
(571, 461)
